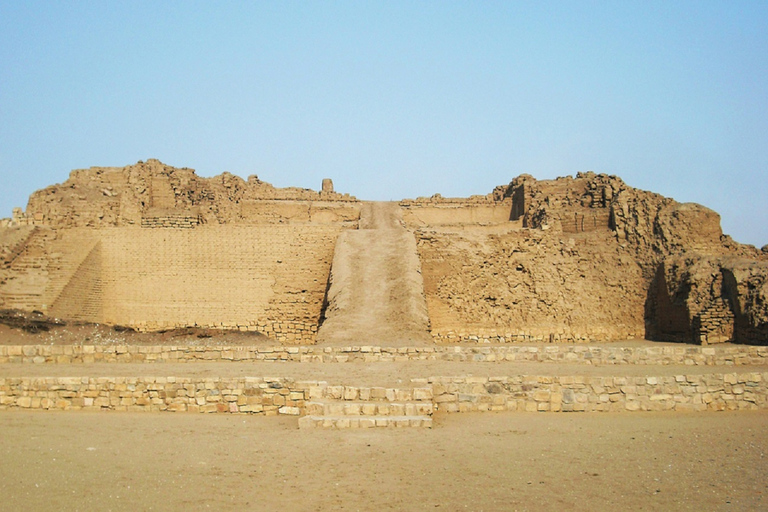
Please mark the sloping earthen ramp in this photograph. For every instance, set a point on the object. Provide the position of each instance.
(376, 295)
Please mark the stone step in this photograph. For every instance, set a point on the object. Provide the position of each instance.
(369, 408)
(311, 421)
(376, 394)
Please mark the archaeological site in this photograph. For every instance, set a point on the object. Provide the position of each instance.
(644, 300)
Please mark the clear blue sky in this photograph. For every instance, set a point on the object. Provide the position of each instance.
(395, 99)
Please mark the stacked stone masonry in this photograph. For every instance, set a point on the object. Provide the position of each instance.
(525, 393)
(529, 393)
(572, 354)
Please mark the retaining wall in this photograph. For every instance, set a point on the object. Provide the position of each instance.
(710, 392)
(579, 354)
(255, 395)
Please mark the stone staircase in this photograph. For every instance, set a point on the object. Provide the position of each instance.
(369, 407)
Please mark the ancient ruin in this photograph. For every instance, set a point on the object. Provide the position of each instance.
(148, 288)
(582, 259)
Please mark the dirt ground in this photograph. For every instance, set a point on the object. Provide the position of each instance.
(475, 462)
(388, 374)
(24, 328)
(107, 461)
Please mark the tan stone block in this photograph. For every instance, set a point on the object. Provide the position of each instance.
(367, 422)
(422, 394)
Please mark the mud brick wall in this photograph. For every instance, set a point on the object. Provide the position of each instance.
(24, 279)
(711, 392)
(82, 298)
(13, 240)
(270, 279)
(585, 219)
(265, 278)
(170, 221)
(531, 286)
(714, 324)
(281, 211)
(423, 213)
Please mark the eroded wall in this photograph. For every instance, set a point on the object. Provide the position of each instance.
(589, 258)
(528, 285)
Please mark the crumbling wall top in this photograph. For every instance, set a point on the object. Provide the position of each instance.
(115, 196)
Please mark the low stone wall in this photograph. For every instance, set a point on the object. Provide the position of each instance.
(580, 354)
(252, 395)
(712, 392)
(486, 336)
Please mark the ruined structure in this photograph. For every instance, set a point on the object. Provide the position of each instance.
(574, 259)
(590, 258)
(153, 247)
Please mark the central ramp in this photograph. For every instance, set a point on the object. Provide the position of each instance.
(376, 293)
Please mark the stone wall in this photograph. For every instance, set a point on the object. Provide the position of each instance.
(251, 395)
(255, 395)
(537, 393)
(555, 353)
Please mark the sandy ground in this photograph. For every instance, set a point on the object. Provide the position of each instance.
(475, 462)
(357, 373)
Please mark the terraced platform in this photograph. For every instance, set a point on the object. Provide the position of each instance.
(371, 386)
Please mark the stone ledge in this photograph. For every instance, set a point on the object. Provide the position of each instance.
(343, 422)
(346, 408)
